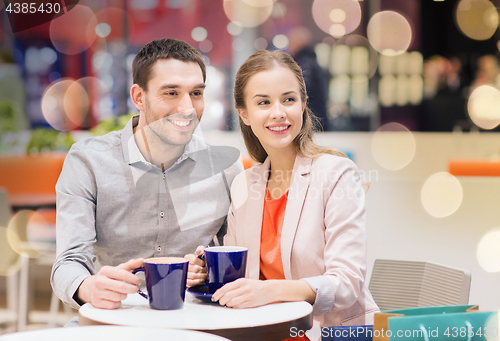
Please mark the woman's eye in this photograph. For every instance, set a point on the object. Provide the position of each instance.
(290, 99)
(263, 102)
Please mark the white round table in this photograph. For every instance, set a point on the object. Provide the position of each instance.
(269, 322)
(107, 333)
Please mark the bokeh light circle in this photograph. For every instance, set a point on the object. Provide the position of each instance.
(329, 14)
(488, 252)
(245, 14)
(103, 30)
(234, 28)
(477, 19)
(199, 34)
(441, 195)
(280, 41)
(9, 258)
(260, 43)
(74, 31)
(484, 107)
(337, 30)
(259, 3)
(97, 88)
(114, 17)
(364, 58)
(337, 15)
(393, 146)
(65, 104)
(18, 237)
(206, 46)
(389, 33)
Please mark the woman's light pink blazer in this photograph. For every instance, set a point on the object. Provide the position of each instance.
(323, 237)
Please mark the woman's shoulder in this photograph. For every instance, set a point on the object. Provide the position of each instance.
(333, 162)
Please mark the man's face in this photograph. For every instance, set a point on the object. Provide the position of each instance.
(174, 101)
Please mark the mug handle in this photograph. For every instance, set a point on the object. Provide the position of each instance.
(139, 290)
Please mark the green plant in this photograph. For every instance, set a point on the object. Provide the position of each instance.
(112, 124)
(7, 119)
(48, 139)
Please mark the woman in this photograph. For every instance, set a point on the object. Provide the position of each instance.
(301, 211)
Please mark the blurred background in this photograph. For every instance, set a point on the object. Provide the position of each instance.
(415, 62)
(409, 89)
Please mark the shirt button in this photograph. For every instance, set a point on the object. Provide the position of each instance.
(163, 176)
(162, 214)
(159, 248)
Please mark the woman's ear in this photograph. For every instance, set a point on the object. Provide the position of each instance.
(244, 117)
(138, 97)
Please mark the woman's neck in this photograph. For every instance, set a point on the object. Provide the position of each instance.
(280, 176)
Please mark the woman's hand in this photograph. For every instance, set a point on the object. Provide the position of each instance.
(197, 271)
(245, 293)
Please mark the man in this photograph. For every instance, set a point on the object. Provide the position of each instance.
(152, 189)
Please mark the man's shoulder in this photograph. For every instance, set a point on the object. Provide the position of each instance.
(100, 143)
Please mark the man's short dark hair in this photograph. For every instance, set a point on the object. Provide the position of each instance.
(165, 48)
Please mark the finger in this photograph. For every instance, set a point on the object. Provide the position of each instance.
(111, 296)
(194, 268)
(193, 260)
(238, 302)
(227, 297)
(194, 282)
(132, 264)
(106, 283)
(200, 250)
(223, 291)
(119, 274)
(105, 304)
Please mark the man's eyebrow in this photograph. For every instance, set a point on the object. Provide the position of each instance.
(175, 86)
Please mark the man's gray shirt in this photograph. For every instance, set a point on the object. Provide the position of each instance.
(113, 205)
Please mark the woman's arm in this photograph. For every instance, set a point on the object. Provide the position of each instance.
(249, 293)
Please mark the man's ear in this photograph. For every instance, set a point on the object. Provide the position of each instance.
(244, 117)
(138, 96)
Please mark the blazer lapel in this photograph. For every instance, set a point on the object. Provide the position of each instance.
(253, 218)
(296, 196)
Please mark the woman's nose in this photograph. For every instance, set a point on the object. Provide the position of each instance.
(277, 111)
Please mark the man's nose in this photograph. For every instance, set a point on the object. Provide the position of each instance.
(185, 103)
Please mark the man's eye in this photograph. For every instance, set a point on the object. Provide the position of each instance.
(197, 93)
(171, 93)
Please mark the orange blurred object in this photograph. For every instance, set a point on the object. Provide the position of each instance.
(474, 168)
(247, 162)
(31, 174)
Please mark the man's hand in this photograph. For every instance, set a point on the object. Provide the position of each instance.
(110, 286)
(197, 272)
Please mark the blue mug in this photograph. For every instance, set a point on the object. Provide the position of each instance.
(225, 264)
(166, 279)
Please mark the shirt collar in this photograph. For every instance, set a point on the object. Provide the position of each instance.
(133, 155)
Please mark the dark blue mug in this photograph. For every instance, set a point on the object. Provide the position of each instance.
(225, 264)
(166, 279)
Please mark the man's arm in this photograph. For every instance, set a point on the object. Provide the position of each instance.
(73, 273)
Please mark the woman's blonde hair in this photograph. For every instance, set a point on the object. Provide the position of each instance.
(264, 60)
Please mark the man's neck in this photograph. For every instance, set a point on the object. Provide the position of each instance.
(160, 154)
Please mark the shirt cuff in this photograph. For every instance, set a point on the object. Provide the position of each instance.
(72, 290)
(325, 294)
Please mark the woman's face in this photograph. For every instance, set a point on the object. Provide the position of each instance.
(273, 108)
